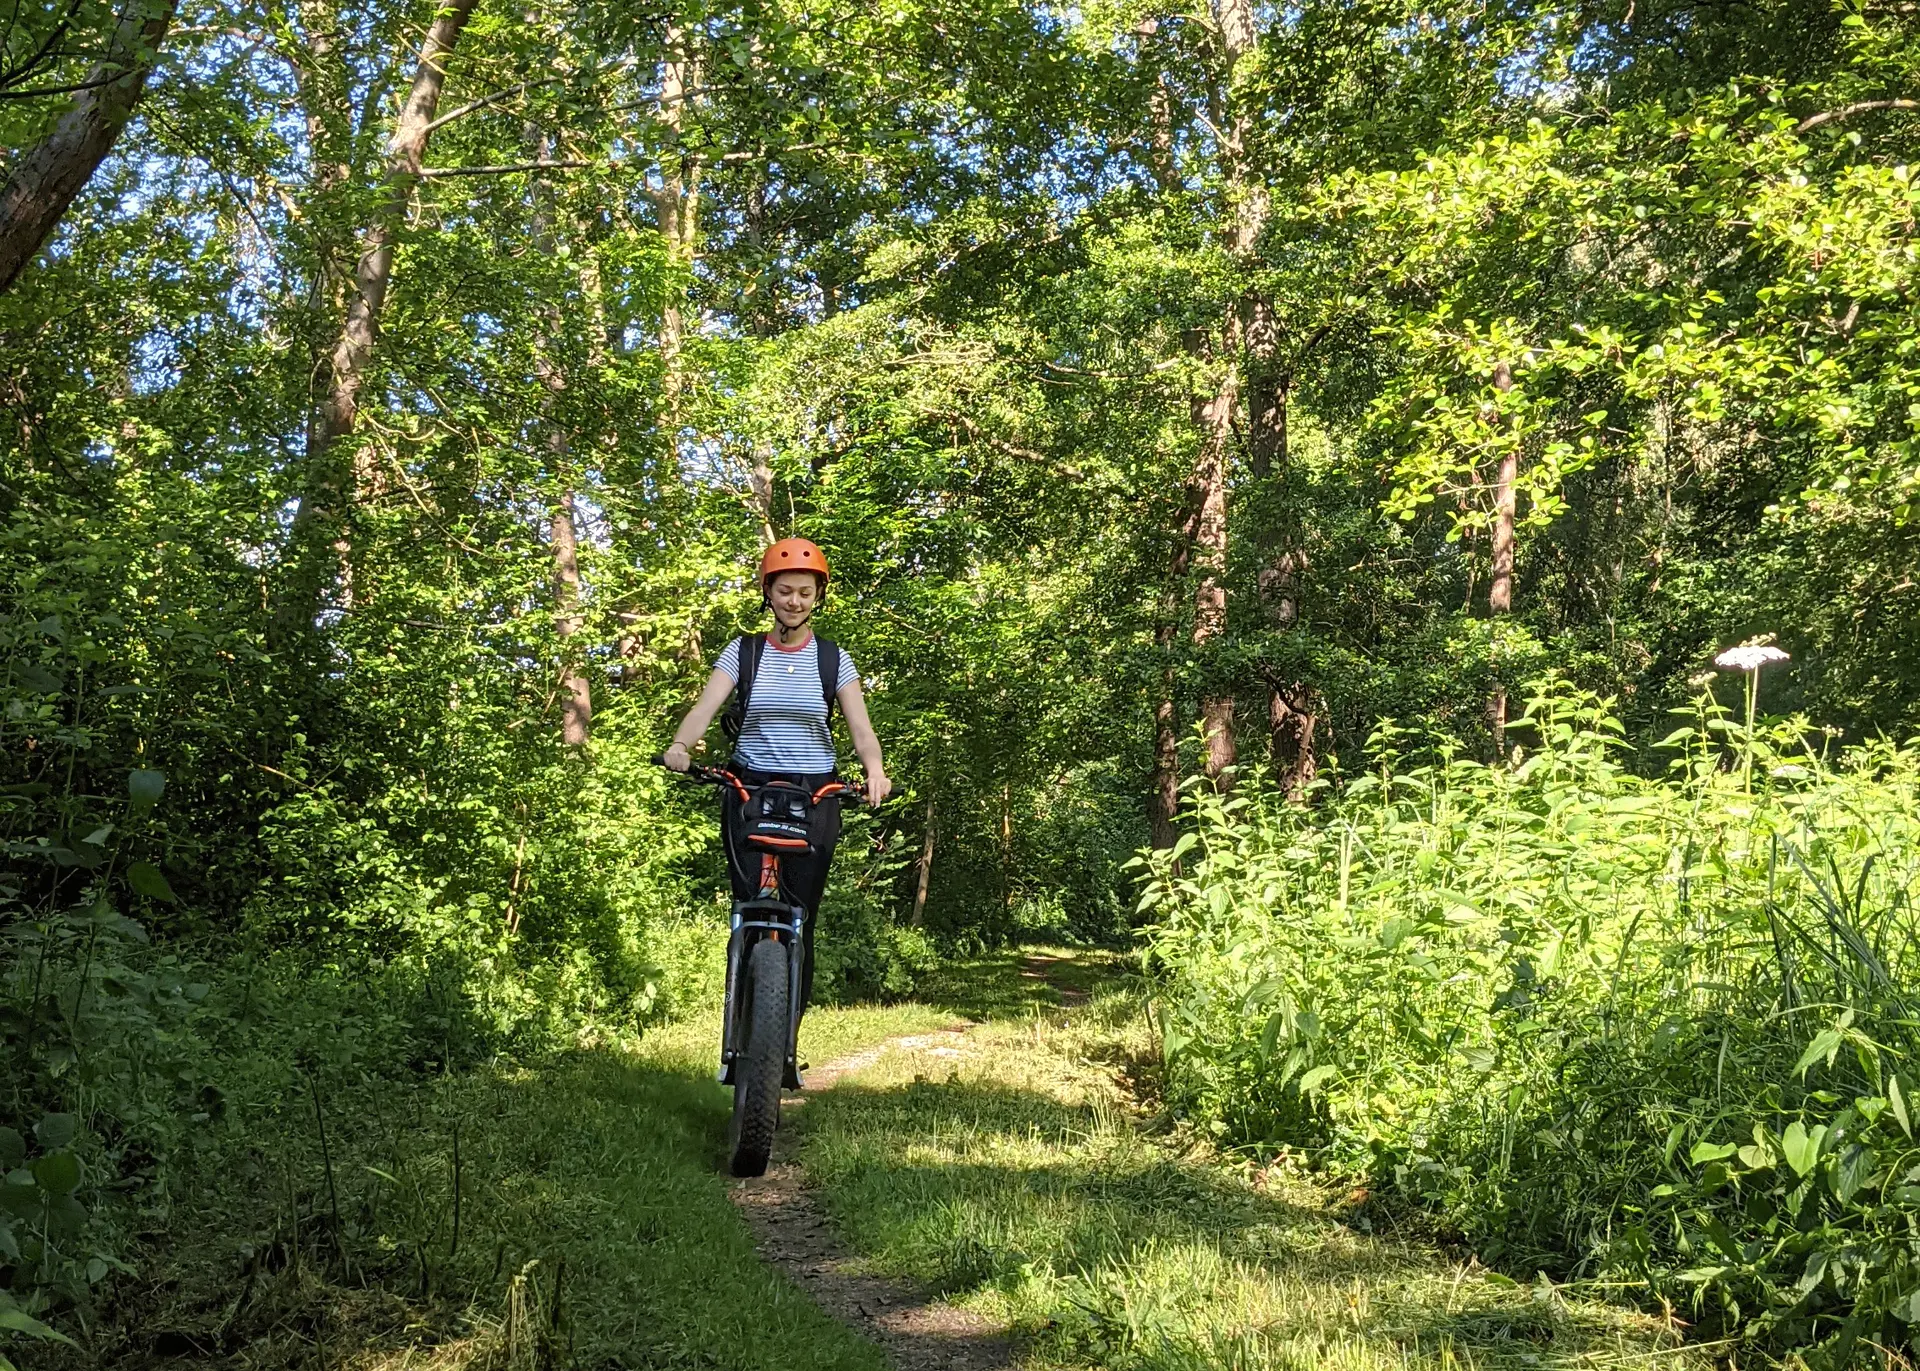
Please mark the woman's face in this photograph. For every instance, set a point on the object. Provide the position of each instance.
(794, 595)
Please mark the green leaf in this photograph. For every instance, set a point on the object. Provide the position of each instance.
(1855, 1169)
(144, 787)
(1316, 1078)
(57, 1130)
(20, 1321)
(13, 1148)
(38, 679)
(1826, 1043)
(1182, 845)
(1710, 1152)
(1897, 1102)
(1481, 1059)
(1801, 1149)
(146, 879)
(58, 1173)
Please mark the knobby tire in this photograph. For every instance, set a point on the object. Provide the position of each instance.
(757, 1071)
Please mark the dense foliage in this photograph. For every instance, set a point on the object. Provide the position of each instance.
(392, 417)
(1621, 1028)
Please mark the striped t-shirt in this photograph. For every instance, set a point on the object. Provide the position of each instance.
(786, 728)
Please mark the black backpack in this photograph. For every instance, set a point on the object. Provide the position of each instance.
(751, 647)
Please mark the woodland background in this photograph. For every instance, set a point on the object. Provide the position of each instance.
(1265, 398)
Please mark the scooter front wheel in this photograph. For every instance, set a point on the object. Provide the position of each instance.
(758, 1065)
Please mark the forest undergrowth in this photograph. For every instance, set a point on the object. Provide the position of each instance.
(1653, 1036)
(562, 1206)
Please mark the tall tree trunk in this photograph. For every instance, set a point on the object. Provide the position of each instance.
(324, 85)
(576, 694)
(761, 481)
(1213, 414)
(1292, 705)
(677, 208)
(1500, 588)
(1006, 851)
(1164, 802)
(43, 180)
(320, 520)
(1267, 387)
(576, 698)
(1159, 149)
(918, 917)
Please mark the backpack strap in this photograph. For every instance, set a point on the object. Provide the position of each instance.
(751, 647)
(735, 719)
(829, 671)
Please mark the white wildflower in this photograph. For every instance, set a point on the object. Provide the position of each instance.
(1750, 658)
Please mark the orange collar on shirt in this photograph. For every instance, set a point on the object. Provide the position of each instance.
(800, 646)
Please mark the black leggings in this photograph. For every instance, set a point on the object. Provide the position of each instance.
(803, 878)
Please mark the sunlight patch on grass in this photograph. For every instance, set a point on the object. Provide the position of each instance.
(1013, 1176)
(827, 1032)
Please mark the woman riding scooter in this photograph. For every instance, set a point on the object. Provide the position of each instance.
(785, 730)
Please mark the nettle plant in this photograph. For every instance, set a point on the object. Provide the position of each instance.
(1614, 1027)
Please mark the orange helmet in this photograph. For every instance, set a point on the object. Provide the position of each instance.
(794, 554)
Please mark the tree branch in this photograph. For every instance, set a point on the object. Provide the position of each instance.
(97, 81)
(508, 168)
(45, 52)
(1814, 121)
(575, 164)
(525, 86)
(494, 99)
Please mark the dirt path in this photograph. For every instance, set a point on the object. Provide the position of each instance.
(918, 1331)
(1035, 966)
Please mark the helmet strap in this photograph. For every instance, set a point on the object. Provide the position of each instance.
(784, 631)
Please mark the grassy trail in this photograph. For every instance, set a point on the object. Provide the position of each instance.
(1008, 1170)
(1015, 1170)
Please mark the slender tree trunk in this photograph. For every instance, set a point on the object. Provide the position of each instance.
(1267, 387)
(43, 180)
(576, 698)
(761, 479)
(323, 82)
(576, 694)
(1160, 143)
(918, 917)
(677, 208)
(321, 517)
(1006, 851)
(1164, 802)
(1292, 705)
(1500, 588)
(1214, 417)
(1213, 414)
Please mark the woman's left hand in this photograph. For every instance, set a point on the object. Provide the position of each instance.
(878, 787)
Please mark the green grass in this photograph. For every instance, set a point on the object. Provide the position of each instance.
(1011, 1169)
(599, 1168)
(1020, 1179)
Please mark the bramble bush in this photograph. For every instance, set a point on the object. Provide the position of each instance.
(1652, 1033)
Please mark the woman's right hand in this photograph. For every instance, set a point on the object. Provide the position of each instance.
(676, 757)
